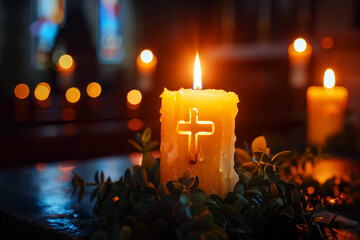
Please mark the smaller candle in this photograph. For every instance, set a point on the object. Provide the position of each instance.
(326, 108)
(299, 56)
(146, 64)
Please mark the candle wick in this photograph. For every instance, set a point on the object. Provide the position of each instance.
(197, 88)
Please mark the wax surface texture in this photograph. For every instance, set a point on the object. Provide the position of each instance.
(209, 155)
(325, 113)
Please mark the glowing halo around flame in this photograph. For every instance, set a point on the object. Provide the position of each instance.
(300, 45)
(197, 74)
(329, 78)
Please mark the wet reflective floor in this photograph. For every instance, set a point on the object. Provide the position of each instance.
(41, 192)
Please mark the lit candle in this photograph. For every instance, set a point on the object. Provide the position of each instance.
(146, 65)
(198, 132)
(299, 56)
(326, 108)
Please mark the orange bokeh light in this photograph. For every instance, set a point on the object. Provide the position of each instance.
(136, 158)
(21, 91)
(66, 63)
(134, 97)
(146, 56)
(41, 166)
(327, 43)
(42, 91)
(73, 95)
(300, 45)
(93, 90)
(135, 124)
(44, 104)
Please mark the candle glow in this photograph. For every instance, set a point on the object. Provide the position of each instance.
(329, 78)
(198, 133)
(197, 74)
(300, 45)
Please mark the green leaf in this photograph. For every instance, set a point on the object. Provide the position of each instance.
(130, 221)
(125, 233)
(249, 166)
(227, 210)
(135, 145)
(138, 207)
(108, 206)
(127, 175)
(259, 144)
(150, 145)
(274, 190)
(96, 177)
(145, 216)
(239, 188)
(148, 161)
(198, 198)
(262, 156)
(242, 156)
(102, 177)
(114, 233)
(204, 221)
(186, 174)
(81, 193)
(146, 136)
(278, 159)
(144, 176)
(289, 211)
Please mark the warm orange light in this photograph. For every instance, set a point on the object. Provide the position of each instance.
(42, 91)
(146, 56)
(72, 95)
(134, 97)
(66, 166)
(66, 63)
(300, 45)
(93, 90)
(197, 73)
(193, 129)
(21, 91)
(41, 166)
(136, 158)
(135, 124)
(329, 78)
(327, 42)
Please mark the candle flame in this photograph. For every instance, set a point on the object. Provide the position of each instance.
(197, 73)
(329, 78)
(300, 45)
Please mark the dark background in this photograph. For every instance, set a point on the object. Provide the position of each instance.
(242, 46)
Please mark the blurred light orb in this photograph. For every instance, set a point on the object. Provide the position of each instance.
(146, 56)
(300, 45)
(73, 95)
(327, 43)
(42, 91)
(135, 124)
(93, 90)
(21, 91)
(329, 78)
(65, 62)
(134, 97)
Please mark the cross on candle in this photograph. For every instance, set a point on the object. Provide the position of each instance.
(193, 128)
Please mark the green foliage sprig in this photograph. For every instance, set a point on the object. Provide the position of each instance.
(262, 205)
